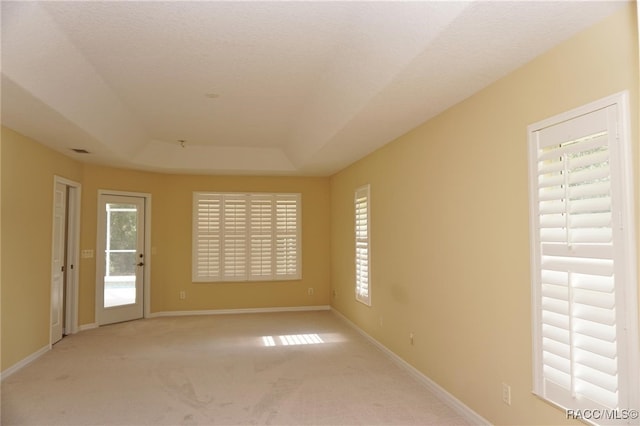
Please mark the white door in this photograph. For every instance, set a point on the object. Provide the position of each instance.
(120, 258)
(58, 261)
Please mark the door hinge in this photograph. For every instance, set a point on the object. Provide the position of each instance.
(62, 269)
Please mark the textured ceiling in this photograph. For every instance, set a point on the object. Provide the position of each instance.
(296, 88)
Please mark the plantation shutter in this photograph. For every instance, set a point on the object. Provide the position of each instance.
(235, 237)
(287, 236)
(579, 317)
(262, 241)
(206, 237)
(362, 244)
(246, 236)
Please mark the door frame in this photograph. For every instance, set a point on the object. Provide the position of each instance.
(146, 280)
(72, 264)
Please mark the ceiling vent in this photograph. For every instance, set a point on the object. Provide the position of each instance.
(79, 151)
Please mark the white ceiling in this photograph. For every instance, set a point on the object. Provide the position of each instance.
(295, 88)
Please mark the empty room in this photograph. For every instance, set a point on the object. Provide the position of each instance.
(305, 212)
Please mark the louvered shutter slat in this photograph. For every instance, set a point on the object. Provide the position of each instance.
(590, 205)
(592, 235)
(600, 171)
(597, 378)
(551, 180)
(552, 221)
(557, 369)
(593, 220)
(595, 189)
(599, 316)
(602, 370)
(593, 392)
(597, 346)
(551, 235)
(593, 329)
(553, 291)
(558, 376)
(552, 207)
(550, 167)
(558, 320)
(558, 334)
(600, 267)
(596, 156)
(596, 283)
(553, 193)
(559, 349)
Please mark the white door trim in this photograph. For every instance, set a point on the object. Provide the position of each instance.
(147, 249)
(59, 262)
(73, 254)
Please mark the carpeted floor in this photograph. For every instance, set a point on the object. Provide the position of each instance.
(297, 368)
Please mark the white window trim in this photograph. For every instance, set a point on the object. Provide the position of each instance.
(626, 258)
(293, 271)
(362, 192)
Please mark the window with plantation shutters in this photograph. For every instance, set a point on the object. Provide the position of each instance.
(246, 237)
(362, 255)
(583, 260)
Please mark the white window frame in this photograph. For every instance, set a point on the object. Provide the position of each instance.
(571, 126)
(362, 234)
(246, 236)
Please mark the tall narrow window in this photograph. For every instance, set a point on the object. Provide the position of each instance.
(363, 252)
(246, 237)
(583, 260)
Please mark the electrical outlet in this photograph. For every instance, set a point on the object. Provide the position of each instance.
(411, 338)
(310, 291)
(506, 394)
(183, 295)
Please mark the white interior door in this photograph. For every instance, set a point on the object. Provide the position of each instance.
(121, 236)
(58, 261)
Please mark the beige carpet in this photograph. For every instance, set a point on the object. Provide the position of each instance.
(297, 368)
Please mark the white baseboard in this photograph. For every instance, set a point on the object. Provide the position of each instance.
(439, 391)
(24, 362)
(239, 311)
(90, 326)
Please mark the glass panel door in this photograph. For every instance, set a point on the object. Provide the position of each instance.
(121, 261)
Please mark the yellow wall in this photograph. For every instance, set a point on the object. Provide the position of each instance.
(28, 169)
(450, 225)
(171, 210)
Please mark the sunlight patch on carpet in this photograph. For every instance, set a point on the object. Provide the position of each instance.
(292, 339)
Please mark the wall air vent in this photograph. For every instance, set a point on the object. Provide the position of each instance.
(79, 151)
